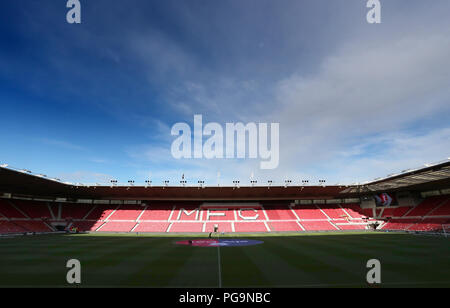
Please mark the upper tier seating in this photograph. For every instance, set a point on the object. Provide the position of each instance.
(442, 210)
(333, 211)
(9, 211)
(395, 212)
(127, 212)
(317, 226)
(426, 206)
(101, 212)
(74, 211)
(156, 212)
(34, 209)
(355, 211)
(217, 214)
(309, 212)
(279, 213)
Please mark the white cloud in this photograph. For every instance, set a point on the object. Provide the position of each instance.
(371, 92)
(360, 92)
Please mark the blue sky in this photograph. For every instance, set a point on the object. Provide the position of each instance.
(96, 101)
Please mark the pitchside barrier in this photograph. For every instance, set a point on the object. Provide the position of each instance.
(30, 233)
(228, 234)
(445, 232)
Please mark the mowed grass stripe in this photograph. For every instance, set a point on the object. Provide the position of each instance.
(167, 261)
(348, 258)
(276, 265)
(313, 258)
(397, 265)
(47, 265)
(322, 260)
(239, 268)
(122, 260)
(199, 270)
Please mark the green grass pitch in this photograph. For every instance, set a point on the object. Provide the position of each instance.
(319, 260)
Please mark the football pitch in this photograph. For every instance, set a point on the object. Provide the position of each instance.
(313, 260)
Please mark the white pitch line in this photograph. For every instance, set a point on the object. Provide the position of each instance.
(219, 266)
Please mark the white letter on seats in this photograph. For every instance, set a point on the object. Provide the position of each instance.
(188, 213)
(248, 217)
(215, 213)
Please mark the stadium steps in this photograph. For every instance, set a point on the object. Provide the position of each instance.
(49, 226)
(19, 210)
(142, 213)
(89, 212)
(442, 204)
(98, 229)
(52, 215)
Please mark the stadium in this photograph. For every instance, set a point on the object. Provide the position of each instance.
(223, 150)
(305, 228)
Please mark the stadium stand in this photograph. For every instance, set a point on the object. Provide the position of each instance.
(334, 211)
(33, 209)
(429, 215)
(186, 227)
(152, 227)
(318, 225)
(157, 212)
(19, 216)
(309, 212)
(74, 211)
(426, 207)
(87, 225)
(10, 227)
(117, 226)
(249, 226)
(285, 226)
(8, 210)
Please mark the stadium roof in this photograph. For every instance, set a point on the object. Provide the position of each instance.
(23, 182)
(432, 176)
